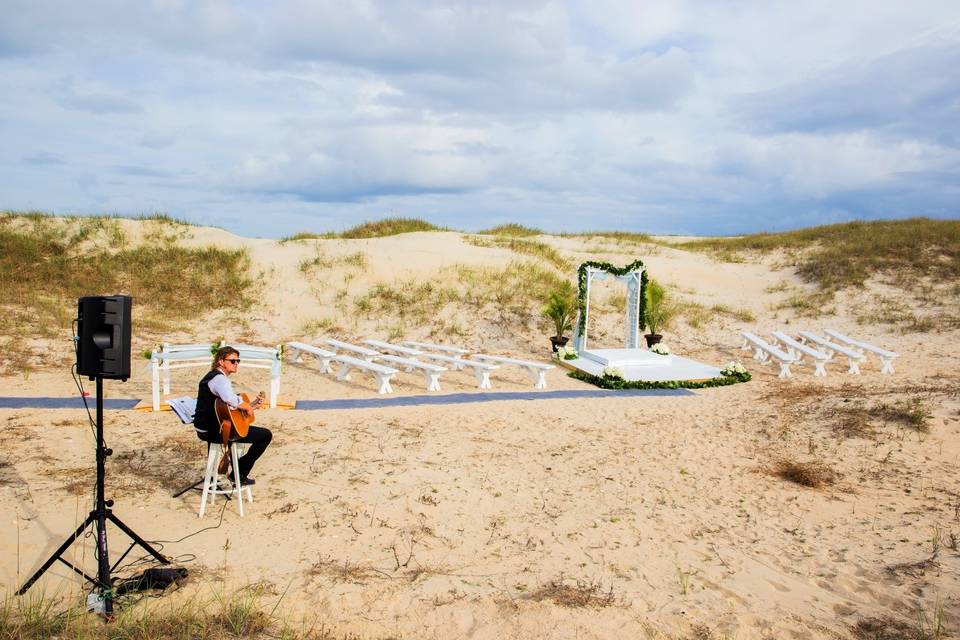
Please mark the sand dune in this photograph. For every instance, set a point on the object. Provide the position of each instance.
(602, 518)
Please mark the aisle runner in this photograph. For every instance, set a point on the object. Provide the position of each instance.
(370, 403)
(464, 398)
(75, 402)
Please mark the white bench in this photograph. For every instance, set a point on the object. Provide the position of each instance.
(322, 355)
(179, 356)
(394, 348)
(886, 357)
(481, 370)
(363, 352)
(184, 355)
(536, 370)
(763, 351)
(442, 348)
(431, 372)
(796, 348)
(382, 373)
(853, 357)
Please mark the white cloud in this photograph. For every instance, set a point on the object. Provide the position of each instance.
(694, 114)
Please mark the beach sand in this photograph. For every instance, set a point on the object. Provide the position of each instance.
(653, 516)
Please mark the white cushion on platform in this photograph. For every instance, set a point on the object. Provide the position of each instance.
(652, 370)
(626, 357)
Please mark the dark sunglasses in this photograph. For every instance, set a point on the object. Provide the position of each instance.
(232, 360)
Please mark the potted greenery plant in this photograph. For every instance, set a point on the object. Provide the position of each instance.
(658, 313)
(561, 307)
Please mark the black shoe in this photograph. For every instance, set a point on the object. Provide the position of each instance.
(245, 481)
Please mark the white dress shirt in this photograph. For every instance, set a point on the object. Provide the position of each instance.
(221, 387)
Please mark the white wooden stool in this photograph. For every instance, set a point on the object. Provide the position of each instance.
(211, 479)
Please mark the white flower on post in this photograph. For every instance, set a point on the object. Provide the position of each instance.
(732, 368)
(661, 349)
(613, 372)
(567, 353)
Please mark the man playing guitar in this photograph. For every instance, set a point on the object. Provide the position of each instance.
(216, 385)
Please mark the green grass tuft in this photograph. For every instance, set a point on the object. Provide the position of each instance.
(512, 229)
(389, 227)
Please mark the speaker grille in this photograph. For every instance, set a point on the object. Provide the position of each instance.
(103, 336)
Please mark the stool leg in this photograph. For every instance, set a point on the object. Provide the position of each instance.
(238, 489)
(240, 449)
(215, 473)
(207, 479)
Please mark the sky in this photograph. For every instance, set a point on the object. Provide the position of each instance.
(274, 117)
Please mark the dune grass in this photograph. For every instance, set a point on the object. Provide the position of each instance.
(697, 315)
(99, 219)
(844, 255)
(571, 594)
(511, 229)
(532, 248)
(408, 300)
(389, 227)
(188, 281)
(375, 229)
(814, 474)
(47, 263)
(620, 237)
(247, 612)
(308, 235)
(481, 294)
(321, 261)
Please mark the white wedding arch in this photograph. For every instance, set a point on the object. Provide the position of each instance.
(634, 276)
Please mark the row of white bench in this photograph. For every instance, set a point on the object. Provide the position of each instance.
(788, 351)
(411, 356)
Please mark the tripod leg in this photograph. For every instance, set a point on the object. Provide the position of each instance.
(137, 539)
(195, 485)
(59, 552)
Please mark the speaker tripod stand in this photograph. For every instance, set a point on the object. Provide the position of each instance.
(98, 517)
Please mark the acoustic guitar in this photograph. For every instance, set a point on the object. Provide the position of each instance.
(235, 421)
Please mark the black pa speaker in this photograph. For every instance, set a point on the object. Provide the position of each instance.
(103, 336)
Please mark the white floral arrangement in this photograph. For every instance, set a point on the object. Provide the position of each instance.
(567, 353)
(661, 349)
(613, 372)
(732, 368)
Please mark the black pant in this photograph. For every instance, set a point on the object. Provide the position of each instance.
(257, 437)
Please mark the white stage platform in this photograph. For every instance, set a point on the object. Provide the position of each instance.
(640, 364)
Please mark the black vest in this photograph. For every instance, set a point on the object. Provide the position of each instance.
(205, 418)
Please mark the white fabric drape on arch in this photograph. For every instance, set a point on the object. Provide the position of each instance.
(632, 280)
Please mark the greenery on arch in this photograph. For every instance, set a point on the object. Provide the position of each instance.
(617, 271)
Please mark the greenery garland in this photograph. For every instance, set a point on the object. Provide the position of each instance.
(617, 271)
(607, 382)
